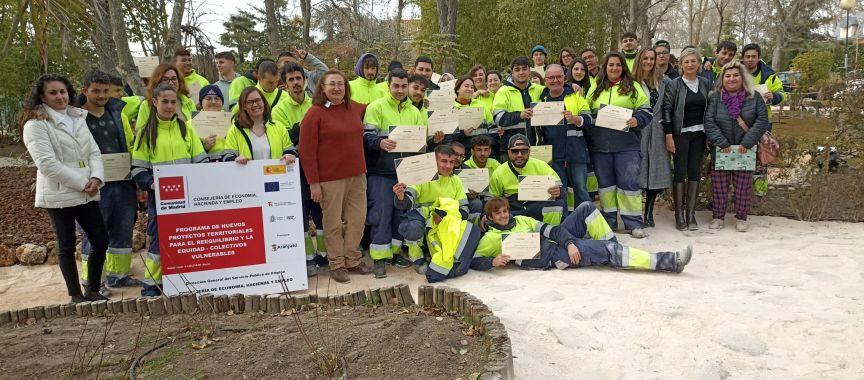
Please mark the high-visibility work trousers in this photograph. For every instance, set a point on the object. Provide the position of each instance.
(383, 217)
(618, 179)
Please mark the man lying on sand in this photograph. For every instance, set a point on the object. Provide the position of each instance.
(583, 239)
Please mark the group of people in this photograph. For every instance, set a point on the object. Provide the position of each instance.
(339, 130)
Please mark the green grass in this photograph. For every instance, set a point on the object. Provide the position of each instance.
(788, 124)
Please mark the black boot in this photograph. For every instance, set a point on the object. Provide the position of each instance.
(678, 194)
(692, 195)
(650, 198)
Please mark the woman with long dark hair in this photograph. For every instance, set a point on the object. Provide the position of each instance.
(168, 75)
(69, 173)
(163, 139)
(616, 153)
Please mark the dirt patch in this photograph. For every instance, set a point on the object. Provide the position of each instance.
(21, 221)
(392, 343)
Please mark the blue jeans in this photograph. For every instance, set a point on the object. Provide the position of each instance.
(575, 176)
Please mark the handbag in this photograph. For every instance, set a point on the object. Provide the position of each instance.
(767, 146)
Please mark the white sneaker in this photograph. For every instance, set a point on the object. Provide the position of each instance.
(716, 224)
(683, 258)
(741, 226)
(638, 233)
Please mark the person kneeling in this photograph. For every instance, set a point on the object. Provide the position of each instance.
(564, 247)
(452, 241)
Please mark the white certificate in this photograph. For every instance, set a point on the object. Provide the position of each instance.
(444, 121)
(146, 65)
(208, 123)
(440, 100)
(521, 246)
(536, 187)
(194, 89)
(470, 117)
(448, 87)
(408, 138)
(474, 179)
(762, 89)
(614, 117)
(417, 169)
(542, 153)
(547, 113)
(117, 166)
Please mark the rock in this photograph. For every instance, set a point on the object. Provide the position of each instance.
(52, 252)
(31, 254)
(139, 241)
(7, 256)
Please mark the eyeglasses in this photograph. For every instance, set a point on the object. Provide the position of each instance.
(254, 101)
(554, 77)
(517, 152)
(170, 79)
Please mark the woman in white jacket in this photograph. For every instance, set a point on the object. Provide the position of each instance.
(69, 174)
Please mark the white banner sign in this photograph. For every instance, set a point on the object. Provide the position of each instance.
(224, 237)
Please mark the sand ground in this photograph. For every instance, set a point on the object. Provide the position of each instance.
(783, 301)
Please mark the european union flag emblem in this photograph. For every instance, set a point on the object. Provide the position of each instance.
(270, 187)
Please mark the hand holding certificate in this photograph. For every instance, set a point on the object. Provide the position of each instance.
(117, 166)
(613, 117)
(521, 246)
(408, 138)
(476, 180)
(536, 187)
(417, 169)
(442, 121)
(762, 89)
(547, 113)
(208, 123)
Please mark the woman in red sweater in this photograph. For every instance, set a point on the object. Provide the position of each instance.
(331, 151)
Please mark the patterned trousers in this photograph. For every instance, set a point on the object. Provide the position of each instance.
(743, 183)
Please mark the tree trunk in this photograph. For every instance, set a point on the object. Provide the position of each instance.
(779, 44)
(126, 66)
(306, 12)
(447, 26)
(400, 6)
(101, 37)
(13, 31)
(173, 37)
(272, 27)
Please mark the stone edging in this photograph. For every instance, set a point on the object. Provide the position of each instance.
(499, 363)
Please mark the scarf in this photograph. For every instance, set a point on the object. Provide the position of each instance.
(507, 227)
(733, 103)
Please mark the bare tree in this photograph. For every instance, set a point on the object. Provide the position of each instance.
(271, 25)
(788, 14)
(126, 66)
(696, 10)
(173, 37)
(101, 35)
(306, 14)
(400, 6)
(720, 6)
(447, 26)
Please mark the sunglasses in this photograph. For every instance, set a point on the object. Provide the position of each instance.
(517, 152)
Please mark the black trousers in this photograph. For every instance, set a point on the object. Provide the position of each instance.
(89, 217)
(689, 153)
